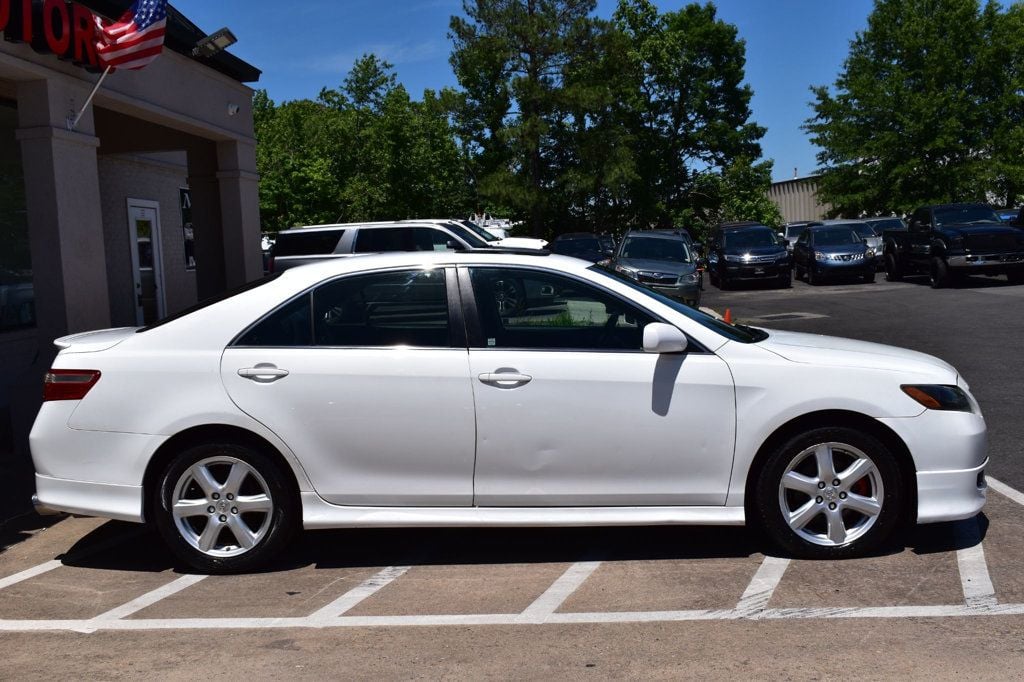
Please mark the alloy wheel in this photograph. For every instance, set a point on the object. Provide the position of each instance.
(222, 506)
(831, 494)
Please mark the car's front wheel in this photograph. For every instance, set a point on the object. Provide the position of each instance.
(830, 493)
(225, 507)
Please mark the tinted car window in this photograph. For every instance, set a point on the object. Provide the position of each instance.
(530, 309)
(836, 236)
(378, 240)
(316, 243)
(749, 239)
(654, 248)
(288, 326)
(795, 231)
(571, 247)
(965, 215)
(888, 224)
(385, 309)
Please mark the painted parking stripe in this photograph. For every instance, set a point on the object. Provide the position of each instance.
(151, 598)
(940, 611)
(1005, 490)
(362, 591)
(762, 586)
(547, 603)
(974, 577)
(28, 573)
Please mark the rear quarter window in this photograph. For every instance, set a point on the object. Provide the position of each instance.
(319, 243)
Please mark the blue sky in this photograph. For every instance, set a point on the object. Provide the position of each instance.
(301, 47)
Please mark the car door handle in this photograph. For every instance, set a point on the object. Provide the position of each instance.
(263, 373)
(505, 379)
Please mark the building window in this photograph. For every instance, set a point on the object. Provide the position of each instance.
(17, 301)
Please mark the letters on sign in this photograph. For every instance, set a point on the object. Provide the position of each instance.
(58, 27)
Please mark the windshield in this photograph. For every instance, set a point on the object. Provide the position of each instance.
(653, 248)
(794, 231)
(573, 246)
(734, 332)
(836, 236)
(479, 231)
(887, 224)
(467, 236)
(862, 229)
(748, 239)
(964, 215)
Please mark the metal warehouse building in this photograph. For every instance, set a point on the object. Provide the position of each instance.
(797, 199)
(150, 204)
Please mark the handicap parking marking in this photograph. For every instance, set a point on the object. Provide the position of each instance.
(979, 599)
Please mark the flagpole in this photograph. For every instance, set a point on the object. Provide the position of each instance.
(72, 124)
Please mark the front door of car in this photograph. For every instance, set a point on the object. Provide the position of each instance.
(570, 410)
(367, 381)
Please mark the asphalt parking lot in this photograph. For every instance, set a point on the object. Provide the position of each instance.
(86, 598)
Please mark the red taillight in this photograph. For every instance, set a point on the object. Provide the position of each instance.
(68, 384)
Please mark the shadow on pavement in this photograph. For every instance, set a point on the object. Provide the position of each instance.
(23, 527)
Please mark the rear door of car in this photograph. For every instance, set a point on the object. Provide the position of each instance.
(571, 411)
(366, 379)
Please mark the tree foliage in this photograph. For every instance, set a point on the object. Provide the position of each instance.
(927, 109)
(562, 120)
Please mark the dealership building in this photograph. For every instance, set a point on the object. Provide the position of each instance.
(147, 205)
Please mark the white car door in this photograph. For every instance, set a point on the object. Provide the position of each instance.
(570, 410)
(366, 380)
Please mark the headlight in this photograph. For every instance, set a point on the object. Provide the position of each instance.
(818, 255)
(628, 272)
(870, 253)
(939, 397)
(734, 259)
(689, 279)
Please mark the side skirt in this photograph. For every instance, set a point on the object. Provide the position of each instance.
(316, 513)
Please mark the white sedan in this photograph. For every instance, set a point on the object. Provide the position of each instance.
(447, 389)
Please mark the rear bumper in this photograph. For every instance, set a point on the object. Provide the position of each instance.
(121, 502)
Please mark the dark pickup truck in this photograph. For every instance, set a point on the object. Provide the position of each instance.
(950, 241)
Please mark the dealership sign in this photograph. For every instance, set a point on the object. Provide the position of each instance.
(58, 27)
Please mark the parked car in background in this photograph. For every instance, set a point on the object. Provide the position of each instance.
(304, 245)
(947, 242)
(662, 260)
(585, 245)
(792, 231)
(865, 231)
(395, 390)
(833, 251)
(879, 225)
(1008, 215)
(747, 252)
(507, 242)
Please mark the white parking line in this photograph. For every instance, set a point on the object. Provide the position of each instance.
(366, 589)
(546, 604)
(938, 611)
(1005, 490)
(762, 586)
(974, 577)
(150, 598)
(44, 567)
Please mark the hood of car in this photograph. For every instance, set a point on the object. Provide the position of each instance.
(985, 228)
(840, 352)
(755, 251)
(666, 266)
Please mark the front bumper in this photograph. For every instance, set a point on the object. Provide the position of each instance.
(950, 495)
(852, 268)
(981, 263)
(755, 272)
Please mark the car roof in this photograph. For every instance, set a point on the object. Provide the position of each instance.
(841, 221)
(739, 225)
(802, 223)
(960, 204)
(657, 234)
(364, 225)
(576, 235)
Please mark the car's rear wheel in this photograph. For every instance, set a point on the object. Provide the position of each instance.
(225, 507)
(830, 493)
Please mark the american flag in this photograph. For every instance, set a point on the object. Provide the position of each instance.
(134, 40)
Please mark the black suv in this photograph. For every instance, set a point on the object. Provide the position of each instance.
(747, 252)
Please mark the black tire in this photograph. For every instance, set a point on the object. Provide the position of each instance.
(723, 283)
(812, 278)
(786, 280)
(277, 527)
(869, 278)
(893, 273)
(767, 508)
(798, 272)
(939, 274)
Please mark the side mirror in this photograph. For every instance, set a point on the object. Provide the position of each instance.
(781, 235)
(663, 338)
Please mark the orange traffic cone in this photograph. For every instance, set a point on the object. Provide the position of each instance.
(728, 316)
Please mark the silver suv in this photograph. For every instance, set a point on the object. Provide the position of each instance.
(303, 245)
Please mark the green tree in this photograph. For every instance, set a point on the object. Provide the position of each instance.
(738, 192)
(922, 113)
